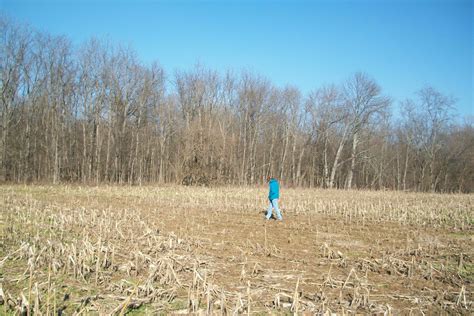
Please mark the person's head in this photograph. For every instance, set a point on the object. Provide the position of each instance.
(269, 178)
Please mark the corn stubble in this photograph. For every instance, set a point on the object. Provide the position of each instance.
(110, 250)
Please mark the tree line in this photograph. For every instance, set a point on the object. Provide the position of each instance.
(96, 114)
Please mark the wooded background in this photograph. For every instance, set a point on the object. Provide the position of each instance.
(97, 114)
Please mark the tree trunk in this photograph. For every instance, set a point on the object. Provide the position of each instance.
(298, 169)
(283, 155)
(335, 165)
(107, 156)
(405, 170)
(325, 158)
(3, 156)
(355, 139)
(97, 154)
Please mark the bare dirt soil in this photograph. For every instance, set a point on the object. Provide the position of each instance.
(151, 250)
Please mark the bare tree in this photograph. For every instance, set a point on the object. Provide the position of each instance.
(253, 95)
(363, 99)
(13, 53)
(425, 122)
(330, 121)
(95, 113)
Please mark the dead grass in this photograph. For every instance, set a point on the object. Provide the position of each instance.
(118, 250)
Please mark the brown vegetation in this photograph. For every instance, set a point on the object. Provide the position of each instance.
(118, 250)
(96, 114)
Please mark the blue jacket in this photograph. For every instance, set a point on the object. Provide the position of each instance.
(274, 189)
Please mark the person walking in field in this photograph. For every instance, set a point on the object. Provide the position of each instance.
(273, 196)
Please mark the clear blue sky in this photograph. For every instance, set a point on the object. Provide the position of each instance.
(405, 45)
